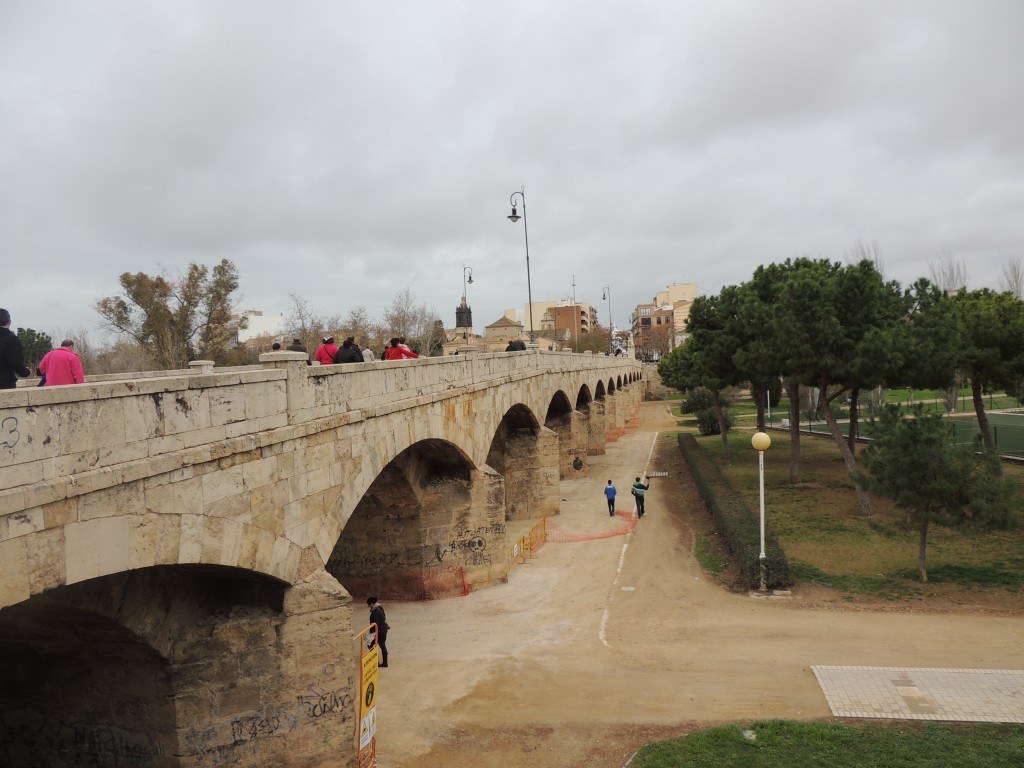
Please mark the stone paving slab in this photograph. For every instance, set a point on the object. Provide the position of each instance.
(906, 693)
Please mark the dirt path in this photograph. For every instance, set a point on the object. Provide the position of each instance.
(597, 647)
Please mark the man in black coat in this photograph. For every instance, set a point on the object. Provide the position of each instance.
(12, 356)
(380, 624)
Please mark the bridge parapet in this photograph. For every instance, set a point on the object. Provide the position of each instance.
(57, 442)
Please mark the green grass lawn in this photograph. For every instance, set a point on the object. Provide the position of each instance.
(786, 744)
(829, 543)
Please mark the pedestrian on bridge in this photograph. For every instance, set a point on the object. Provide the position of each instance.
(62, 365)
(325, 352)
(398, 351)
(12, 356)
(610, 492)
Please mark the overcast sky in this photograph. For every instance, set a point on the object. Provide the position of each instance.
(345, 151)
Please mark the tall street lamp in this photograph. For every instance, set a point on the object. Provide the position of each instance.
(606, 293)
(463, 314)
(761, 441)
(575, 318)
(466, 270)
(514, 218)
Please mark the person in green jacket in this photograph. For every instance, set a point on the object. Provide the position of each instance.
(638, 492)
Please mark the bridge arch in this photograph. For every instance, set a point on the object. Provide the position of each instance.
(119, 670)
(426, 526)
(238, 484)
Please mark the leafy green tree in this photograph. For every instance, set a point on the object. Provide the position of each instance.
(991, 351)
(35, 344)
(176, 319)
(836, 327)
(713, 337)
(915, 462)
(700, 402)
(777, 344)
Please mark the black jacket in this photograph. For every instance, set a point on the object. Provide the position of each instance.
(379, 620)
(12, 359)
(350, 354)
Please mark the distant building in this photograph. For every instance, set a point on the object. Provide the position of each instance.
(554, 318)
(660, 326)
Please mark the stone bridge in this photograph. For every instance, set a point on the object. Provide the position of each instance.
(179, 551)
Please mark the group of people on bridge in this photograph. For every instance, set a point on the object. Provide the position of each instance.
(58, 366)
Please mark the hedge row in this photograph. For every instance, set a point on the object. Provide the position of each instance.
(735, 522)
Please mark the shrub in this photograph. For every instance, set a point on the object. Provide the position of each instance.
(735, 522)
(707, 421)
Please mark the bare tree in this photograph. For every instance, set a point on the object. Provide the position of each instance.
(420, 325)
(866, 252)
(1013, 277)
(303, 323)
(949, 274)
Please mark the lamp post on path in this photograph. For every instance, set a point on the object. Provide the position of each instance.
(514, 218)
(761, 441)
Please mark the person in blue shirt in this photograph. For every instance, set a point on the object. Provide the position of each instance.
(609, 491)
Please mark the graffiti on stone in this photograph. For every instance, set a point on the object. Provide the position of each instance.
(252, 728)
(31, 731)
(352, 560)
(319, 702)
(9, 434)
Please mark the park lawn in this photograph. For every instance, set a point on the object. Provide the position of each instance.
(787, 744)
(831, 545)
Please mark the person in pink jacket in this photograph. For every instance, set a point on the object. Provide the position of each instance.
(61, 365)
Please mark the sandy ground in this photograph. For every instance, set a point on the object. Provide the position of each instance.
(594, 648)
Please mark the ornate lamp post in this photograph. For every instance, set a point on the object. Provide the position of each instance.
(606, 293)
(514, 218)
(761, 441)
(463, 314)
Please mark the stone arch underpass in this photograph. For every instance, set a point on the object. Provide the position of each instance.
(173, 548)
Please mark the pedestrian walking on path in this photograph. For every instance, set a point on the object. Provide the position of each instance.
(380, 625)
(609, 492)
(638, 493)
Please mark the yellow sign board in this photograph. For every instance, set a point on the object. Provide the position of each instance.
(368, 689)
(368, 661)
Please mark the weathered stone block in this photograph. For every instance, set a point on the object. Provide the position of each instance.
(96, 547)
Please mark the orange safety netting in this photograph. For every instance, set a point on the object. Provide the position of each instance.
(559, 536)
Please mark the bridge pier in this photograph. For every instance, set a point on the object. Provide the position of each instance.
(595, 429)
(169, 541)
(179, 666)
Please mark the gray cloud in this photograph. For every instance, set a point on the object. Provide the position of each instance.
(345, 151)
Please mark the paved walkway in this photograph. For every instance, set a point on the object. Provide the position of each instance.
(905, 693)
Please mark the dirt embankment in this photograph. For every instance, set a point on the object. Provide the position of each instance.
(596, 647)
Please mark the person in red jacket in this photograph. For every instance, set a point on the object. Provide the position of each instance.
(398, 351)
(325, 352)
(62, 366)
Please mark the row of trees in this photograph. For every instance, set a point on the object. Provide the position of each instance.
(164, 321)
(423, 330)
(845, 329)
